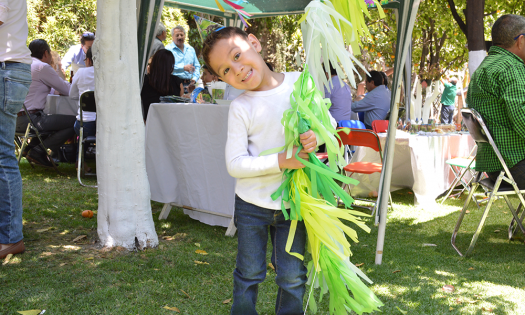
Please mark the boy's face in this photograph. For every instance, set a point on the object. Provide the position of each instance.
(207, 77)
(237, 62)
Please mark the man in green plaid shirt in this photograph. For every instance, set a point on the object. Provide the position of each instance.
(497, 92)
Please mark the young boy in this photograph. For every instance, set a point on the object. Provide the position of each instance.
(254, 126)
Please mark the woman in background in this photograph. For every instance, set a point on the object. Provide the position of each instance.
(159, 81)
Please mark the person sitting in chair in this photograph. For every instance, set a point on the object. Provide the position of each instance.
(43, 78)
(497, 92)
(84, 81)
(376, 103)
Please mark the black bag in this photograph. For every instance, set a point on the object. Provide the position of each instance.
(68, 153)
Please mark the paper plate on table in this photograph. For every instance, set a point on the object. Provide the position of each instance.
(223, 102)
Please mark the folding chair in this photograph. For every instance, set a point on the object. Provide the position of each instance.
(366, 138)
(87, 103)
(461, 166)
(380, 126)
(356, 124)
(504, 185)
(21, 140)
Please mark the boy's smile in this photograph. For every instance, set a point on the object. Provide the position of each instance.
(237, 62)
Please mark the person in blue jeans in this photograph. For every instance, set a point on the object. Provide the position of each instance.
(254, 126)
(15, 78)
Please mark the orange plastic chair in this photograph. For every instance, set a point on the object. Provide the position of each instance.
(380, 126)
(365, 138)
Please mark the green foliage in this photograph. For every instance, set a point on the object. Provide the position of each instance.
(60, 22)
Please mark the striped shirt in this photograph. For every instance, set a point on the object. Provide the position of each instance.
(497, 92)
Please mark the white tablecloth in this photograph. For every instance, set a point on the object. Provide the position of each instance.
(185, 159)
(419, 164)
(63, 105)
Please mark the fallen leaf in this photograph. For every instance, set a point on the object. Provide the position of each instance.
(226, 301)
(202, 252)
(90, 258)
(180, 235)
(7, 259)
(496, 231)
(471, 268)
(359, 265)
(271, 266)
(168, 238)
(396, 271)
(402, 312)
(78, 238)
(505, 212)
(197, 244)
(62, 264)
(189, 297)
(468, 211)
(487, 309)
(200, 262)
(172, 308)
(161, 246)
(410, 193)
(450, 308)
(458, 301)
(43, 230)
(30, 312)
(428, 244)
(448, 288)
(472, 302)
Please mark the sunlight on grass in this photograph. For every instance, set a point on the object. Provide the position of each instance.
(418, 215)
(444, 273)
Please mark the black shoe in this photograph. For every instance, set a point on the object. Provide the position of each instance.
(39, 157)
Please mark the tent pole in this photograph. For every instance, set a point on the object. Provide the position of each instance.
(407, 16)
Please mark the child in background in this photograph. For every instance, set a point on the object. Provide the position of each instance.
(207, 76)
(254, 126)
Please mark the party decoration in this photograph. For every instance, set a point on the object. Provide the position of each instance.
(344, 21)
(312, 194)
(205, 26)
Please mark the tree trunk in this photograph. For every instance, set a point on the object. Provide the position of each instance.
(475, 33)
(124, 211)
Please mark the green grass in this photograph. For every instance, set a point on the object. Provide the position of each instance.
(64, 277)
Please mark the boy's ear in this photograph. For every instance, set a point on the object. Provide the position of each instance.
(254, 42)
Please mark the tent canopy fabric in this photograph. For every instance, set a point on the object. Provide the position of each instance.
(257, 8)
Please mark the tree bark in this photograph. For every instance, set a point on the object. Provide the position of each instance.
(475, 27)
(124, 211)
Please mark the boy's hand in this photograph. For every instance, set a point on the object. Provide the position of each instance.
(292, 163)
(309, 141)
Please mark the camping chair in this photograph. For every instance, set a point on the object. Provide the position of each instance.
(380, 126)
(460, 166)
(366, 138)
(21, 140)
(504, 185)
(87, 103)
(356, 124)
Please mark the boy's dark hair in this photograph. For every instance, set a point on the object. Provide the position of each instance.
(89, 55)
(376, 77)
(214, 37)
(38, 47)
(270, 66)
(87, 36)
(160, 71)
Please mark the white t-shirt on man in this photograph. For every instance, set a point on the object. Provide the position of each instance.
(13, 31)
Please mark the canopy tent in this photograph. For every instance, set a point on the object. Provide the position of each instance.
(149, 12)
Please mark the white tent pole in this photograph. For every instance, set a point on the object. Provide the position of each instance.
(408, 12)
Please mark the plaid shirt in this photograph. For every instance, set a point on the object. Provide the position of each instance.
(497, 92)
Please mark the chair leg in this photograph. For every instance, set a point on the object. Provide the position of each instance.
(80, 169)
(457, 180)
(513, 225)
(460, 219)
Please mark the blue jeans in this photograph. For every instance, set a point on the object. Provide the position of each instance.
(15, 79)
(90, 128)
(252, 224)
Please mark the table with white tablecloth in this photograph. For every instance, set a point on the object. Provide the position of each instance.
(185, 161)
(419, 164)
(62, 105)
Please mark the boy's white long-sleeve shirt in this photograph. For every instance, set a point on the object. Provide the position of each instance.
(254, 126)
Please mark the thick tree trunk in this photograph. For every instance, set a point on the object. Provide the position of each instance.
(475, 33)
(124, 211)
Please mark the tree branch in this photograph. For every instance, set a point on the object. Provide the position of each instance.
(456, 16)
